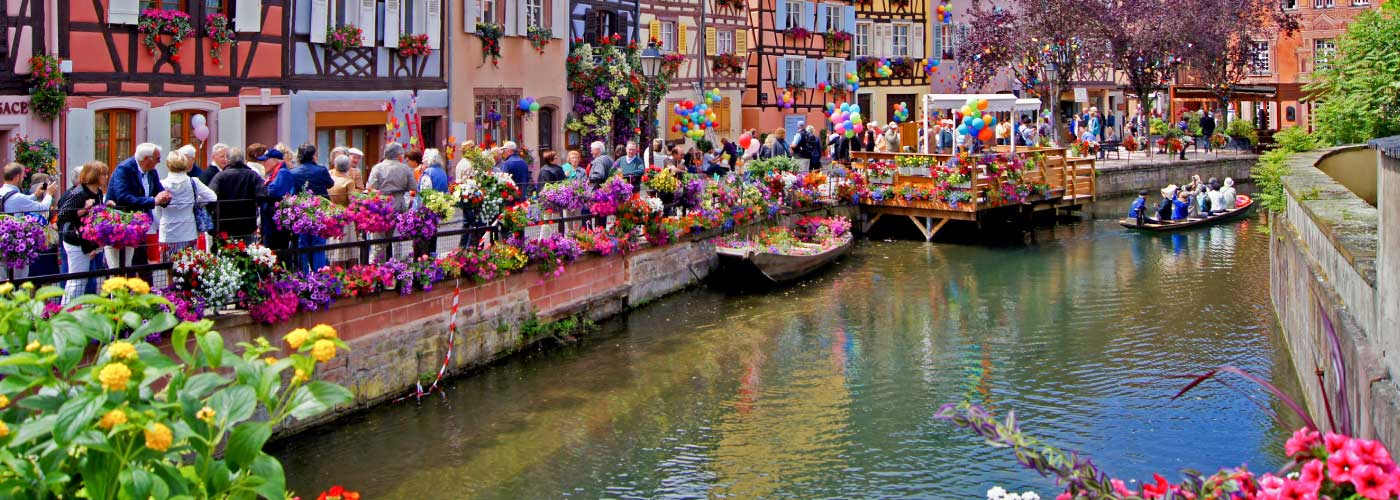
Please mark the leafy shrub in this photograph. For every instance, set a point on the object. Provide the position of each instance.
(1296, 140)
(1242, 129)
(1357, 96)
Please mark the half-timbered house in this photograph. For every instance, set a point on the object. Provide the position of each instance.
(128, 87)
(712, 35)
(789, 52)
(593, 19)
(486, 92)
(25, 24)
(893, 33)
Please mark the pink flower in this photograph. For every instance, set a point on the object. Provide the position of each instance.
(1064, 496)
(1312, 473)
(1372, 482)
(1270, 485)
(1296, 490)
(1372, 452)
(1303, 441)
(1340, 465)
(1121, 489)
(1335, 442)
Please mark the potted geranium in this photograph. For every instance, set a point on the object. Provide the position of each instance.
(118, 232)
(539, 37)
(220, 33)
(46, 94)
(153, 23)
(798, 33)
(835, 41)
(490, 42)
(411, 45)
(728, 64)
(345, 36)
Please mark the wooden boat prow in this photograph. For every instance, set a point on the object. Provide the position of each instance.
(1243, 204)
(782, 268)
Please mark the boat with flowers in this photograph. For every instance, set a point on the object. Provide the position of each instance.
(1242, 205)
(781, 254)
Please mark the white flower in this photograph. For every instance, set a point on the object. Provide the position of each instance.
(996, 493)
(1030, 495)
(655, 204)
(1011, 496)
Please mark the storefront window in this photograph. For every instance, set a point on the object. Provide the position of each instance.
(114, 135)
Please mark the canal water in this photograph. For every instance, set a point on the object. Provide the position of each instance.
(828, 388)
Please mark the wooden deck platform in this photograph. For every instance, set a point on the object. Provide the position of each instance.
(1069, 182)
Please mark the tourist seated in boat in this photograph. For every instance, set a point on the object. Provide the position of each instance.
(1228, 201)
(1139, 209)
(1181, 208)
(1164, 211)
(1206, 200)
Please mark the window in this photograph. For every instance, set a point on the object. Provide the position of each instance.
(217, 7)
(361, 137)
(115, 135)
(1260, 58)
(792, 67)
(950, 40)
(182, 133)
(899, 42)
(1323, 49)
(534, 12)
(486, 11)
(1324, 4)
(833, 18)
(724, 42)
(794, 13)
(163, 4)
(1289, 4)
(668, 37)
(862, 39)
(835, 70)
(546, 129)
(1361, 2)
(498, 131)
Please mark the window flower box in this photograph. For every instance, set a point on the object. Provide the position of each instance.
(728, 64)
(343, 37)
(220, 33)
(411, 45)
(539, 37)
(490, 42)
(153, 23)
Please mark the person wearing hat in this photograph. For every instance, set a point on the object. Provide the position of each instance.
(279, 182)
(357, 167)
(1164, 211)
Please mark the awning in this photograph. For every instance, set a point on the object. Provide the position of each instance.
(1238, 93)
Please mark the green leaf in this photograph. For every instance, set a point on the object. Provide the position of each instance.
(233, 404)
(100, 472)
(174, 481)
(212, 345)
(274, 480)
(135, 484)
(34, 428)
(24, 359)
(156, 323)
(75, 415)
(317, 397)
(199, 386)
(179, 340)
(41, 402)
(153, 358)
(245, 442)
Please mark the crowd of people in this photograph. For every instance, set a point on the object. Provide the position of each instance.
(1194, 199)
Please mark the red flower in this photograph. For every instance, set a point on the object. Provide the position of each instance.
(1372, 482)
(1341, 464)
(1335, 442)
(1303, 441)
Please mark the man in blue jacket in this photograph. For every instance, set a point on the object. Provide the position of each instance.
(135, 187)
(516, 167)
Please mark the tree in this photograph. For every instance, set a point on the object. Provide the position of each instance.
(1357, 93)
(1222, 53)
(987, 49)
(1147, 41)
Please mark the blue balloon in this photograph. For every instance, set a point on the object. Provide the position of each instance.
(962, 130)
(845, 106)
(855, 87)
(855, 108)
(991, 121)
(967, 121)
(977, 124)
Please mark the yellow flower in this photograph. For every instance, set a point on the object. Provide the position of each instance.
(114, 376)
(32, 346)
(114, 284)
(138, 286)
(300, 376)
(206, 414)
(4, 401)
(46, 349)
(4, 430)
(112, 419)
(297, 337)
(122, 350)
(323, 331)
(323, 350)
(270, 360)
(158, 437)
(6, 288)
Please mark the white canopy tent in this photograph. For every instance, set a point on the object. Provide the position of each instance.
(995, 103)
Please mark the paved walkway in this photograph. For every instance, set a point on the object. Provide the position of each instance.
(1141, 157)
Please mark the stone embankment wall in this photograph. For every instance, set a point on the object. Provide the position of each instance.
(1323, 265)
(397, 339)
(1118, 179)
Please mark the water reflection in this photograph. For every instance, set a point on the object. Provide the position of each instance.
(827, 388)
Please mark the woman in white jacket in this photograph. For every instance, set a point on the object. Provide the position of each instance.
(177, 225)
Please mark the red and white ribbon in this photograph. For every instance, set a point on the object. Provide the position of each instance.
(418, 391)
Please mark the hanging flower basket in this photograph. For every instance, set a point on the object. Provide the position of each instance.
(798, 33)
(411, 45)
(37, 156)
(835, 42)
(153, 23)
(539, 37)
(343, 37)
(671, 64)
(46, 95)
(490, 42)
(216, 27)
(728, 64)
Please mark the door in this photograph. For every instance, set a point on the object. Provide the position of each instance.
(546, 129)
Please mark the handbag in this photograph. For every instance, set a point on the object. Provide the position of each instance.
(203, 223)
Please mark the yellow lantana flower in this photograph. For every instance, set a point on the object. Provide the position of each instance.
(32, 346)
(297, 337)
(138, 286)
(270, 360)
(114, 284)
(114, 376)
(6, 288)
(323, 350)
(300, 376)
(4, 430)
(122, 350)
(206, 414)
(323, 331)
(112, 419)
(4, 401)
(158, 437)
(46, 349)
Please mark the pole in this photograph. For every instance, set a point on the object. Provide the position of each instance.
(704, 5)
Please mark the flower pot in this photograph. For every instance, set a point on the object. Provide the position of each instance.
(117, 257)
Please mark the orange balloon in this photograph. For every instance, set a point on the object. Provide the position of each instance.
(985, 135)
(982, 104)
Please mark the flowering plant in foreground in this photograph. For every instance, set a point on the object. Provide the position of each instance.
(114, 228)
(371, 213)
(309, 214)
(560, 197)
(21, 240)
(439, 202)
(74, 411)
(1331, 466)
(552, 252)
(419, 224)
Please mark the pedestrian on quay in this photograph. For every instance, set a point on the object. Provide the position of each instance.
(434, 176)
(255, 153)
(780, 145)
(602, 165)
(550, 171)
(514, 165)
(394, 179)
(135, 187)
(218, 159)
(178, 227)
(573, 165)
(240, 191)
(631, 165)
(465, 169)
(655, 155)
(73, 206)
(312, 178)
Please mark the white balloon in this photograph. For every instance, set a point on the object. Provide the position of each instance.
(197, 121)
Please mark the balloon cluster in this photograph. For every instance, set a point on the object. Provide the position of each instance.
(945, 11)
(786, 99)
(201, 129)
(882, 68)
(853, 81)
(693, 119)
(975, 122)
(712, 96)
(901, 112)
(931, 65)
(529, 105)
(845, 119)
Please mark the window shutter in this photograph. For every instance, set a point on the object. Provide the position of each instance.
(711, 42)
(559, 26)
(393, 17)
(368, 13)
(231, 125)
(886, 40)
(510, 21)
(469, 15)
(781, 76)
(654, 31)
(916, 41)
(848, 18)
(124, 12)
(432, 17)
(821, 17)
(320, 16)
(741, 43)
(681, 47)
(522, 23)
(937, 34)
(79, 144)
(247, 16)
(822, 76)
(158, 132)
(779, 15)
(809, 16)
(809, 72)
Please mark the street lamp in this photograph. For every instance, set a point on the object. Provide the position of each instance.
(1052, 70)
(651, 67)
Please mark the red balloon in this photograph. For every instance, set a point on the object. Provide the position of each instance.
(745, 140)
(986, 134)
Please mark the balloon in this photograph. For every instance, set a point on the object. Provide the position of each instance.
(201, 132)
(860, 127)
(985, 135)
(855, 108)
(962, 130)
(850, 134)
(982, 104)
(197, 121)
(845, 106)
(745, 140)
(534, 107)
(978, 124)
(976, 113)
(967, 121)
(991, 121)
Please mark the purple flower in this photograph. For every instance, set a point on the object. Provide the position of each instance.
(21, 240)
(419, 224)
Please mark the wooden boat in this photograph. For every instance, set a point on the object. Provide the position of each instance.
(1242, 205)
(782, 268)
